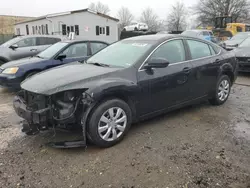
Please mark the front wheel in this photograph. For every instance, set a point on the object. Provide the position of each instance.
(223, 89)
(109, 123)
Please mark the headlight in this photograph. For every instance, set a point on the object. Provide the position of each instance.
(12, 70)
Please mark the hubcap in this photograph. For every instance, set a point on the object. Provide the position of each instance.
(224, 89)
(112, 124)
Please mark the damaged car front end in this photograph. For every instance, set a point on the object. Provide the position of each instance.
(66, 110)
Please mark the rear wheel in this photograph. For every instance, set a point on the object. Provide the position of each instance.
(109, 123)
(222, 93)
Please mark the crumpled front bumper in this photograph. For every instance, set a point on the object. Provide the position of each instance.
(37, 120)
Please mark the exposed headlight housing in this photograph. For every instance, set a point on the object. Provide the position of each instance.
(12, 70)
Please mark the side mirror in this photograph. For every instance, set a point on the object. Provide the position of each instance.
(156, 63)
(61, 57)
(14, 46)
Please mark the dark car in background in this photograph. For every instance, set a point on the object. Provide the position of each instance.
(25, 46)
(14, 72)
(243, 55)
(235, 41)
(126, 82)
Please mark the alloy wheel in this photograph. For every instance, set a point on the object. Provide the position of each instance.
(112, 124)
(224, 89)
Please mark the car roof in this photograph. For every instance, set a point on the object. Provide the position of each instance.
(75, 41)
(30, 36)
(154, 37)
(199, 30)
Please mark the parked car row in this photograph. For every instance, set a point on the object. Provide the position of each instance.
(14, 72)
(128, 81)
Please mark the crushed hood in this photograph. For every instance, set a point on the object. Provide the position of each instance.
(68, 77)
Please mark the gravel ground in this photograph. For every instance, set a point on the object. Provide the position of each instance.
(195, 147)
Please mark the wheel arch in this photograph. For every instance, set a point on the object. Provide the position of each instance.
(227, 69)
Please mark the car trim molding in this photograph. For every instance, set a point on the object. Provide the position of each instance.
(177, 63)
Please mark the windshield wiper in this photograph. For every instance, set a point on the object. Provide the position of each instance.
(38, 56)
(99, 64)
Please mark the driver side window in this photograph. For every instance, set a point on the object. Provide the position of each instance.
(26, 42)
(76, 50)
(173, 51)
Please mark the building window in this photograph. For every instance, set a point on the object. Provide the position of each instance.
(47, 30)
(18, 31)
(107, 30)
(42, 29)
(77, 29)
(97, 30)
(27, 29)
(64, 30)
(102, 30)
(72, 28)
(33, 30)
(36, 29)
(68, 30)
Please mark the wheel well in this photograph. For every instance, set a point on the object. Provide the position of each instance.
(27, 73)
(115, 96)
(230, 75)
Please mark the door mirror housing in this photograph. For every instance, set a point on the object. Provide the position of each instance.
(14, 46)
(61, 57)
(157, 63)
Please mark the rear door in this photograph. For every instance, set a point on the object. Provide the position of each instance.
(206, 65)
(26, 48)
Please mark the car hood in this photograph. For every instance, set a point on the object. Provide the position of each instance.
(233, 42)
(20, 62)
(242, 52)
(68, 77)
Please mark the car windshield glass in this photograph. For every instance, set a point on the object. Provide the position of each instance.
(11, 42)
(245, 43)
(121, 54)
(190, 33)
(52, 50)
(240, 36)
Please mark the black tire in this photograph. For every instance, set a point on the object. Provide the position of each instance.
(216, 98)
(92, 125)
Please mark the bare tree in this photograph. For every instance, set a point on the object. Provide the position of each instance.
(99, 7)
(176, 20)
(208, 10)
(125, 17)
(151, 19)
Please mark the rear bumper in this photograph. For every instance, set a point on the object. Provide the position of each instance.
(10, 81)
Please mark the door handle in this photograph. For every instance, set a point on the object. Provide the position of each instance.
(33, 50)
(216, 61)
(187, 70)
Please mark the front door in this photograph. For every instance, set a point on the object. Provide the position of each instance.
(168, 86)
(26, 48)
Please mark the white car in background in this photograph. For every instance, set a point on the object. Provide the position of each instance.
(136, 26)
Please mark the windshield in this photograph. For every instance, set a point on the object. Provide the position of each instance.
(11, 42)
(121, 54)
(245, 43)
(52, 50)
(190, 33)
(240, 36)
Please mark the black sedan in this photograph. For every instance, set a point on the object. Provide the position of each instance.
(243, 55)
(128, 81)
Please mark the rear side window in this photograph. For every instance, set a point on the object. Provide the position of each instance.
(46, 41)
(173, 51)
(212, 50)
(96, 47)
(198, 49)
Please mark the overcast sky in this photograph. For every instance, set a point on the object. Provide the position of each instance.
(43, 7)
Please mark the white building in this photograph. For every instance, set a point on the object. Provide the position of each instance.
(85, 23)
